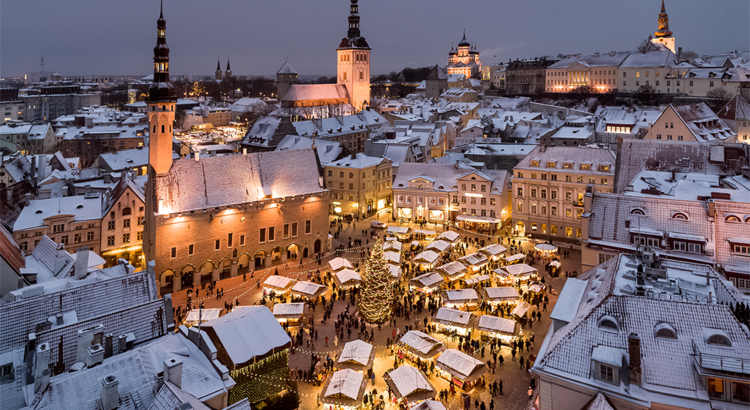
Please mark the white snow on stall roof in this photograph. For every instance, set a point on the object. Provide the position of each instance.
(461, 295)
(346, 275)
(280, 282)
(519, 269)
(393, 245)
(475, 259)
(477, 279)
(494, 249)
(288, 309)
(453, 268)
(307, 288)
(357, 351)
(569, 300)
(395, 271)
(340, 263)
(427, 256)
(502, 292)
(346, 383)
(515, 257)
(520, 309)
(461, 363)
(429, 279)
(202, 315)
(398, 229)
(419, 341)
(497, 324)
(450, 236)
(440, 245)
(429, 405)
(247, 333)
(392, 257)
(453, 315)
(408, 380)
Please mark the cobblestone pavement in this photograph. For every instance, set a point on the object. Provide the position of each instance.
(515, 380)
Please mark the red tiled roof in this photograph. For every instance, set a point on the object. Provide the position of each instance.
(10, 251)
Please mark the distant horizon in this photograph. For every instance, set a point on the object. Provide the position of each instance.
(83, 38)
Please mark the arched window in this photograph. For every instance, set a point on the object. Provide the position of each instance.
(162, 129)
(609, 324)
(680, 216)
(637, 211)
(126, 211)
(665, 331)
(719, 340)
(154, 129)
(732, 218)
(747, 219)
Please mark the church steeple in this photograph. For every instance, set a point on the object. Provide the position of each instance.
(353, 32)
(218, 73)
(161, 89)
(228, 73)
(663, 23)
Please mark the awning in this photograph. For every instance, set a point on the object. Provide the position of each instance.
(646, 231)
(687, 237)
(479, 219)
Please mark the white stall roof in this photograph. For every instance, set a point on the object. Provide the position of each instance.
(460, 362)
(424, 232)
(521, 309)
(475, 259)
(494, 249)
(429, 405)
(519, 269)
(346, 383)
(392, 257)
(453, 315)
(429, 279)
(345, 275)
(288, 309)
(450, 236)
(477, 279)
(461, 294)
(395, 271)
(497, 324)
(440, 245)
(453, 268)
(419, 341)
(427, 256)
(402, 230)
(357, 351)
(276, 281)
(393, 245)
(202, 314)
(307, 288)
(515, 257)
(504, 292)
(409, 379)
(337, 264)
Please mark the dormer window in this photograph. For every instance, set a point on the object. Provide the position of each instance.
(607, 363)
(551, 164)
(609, 324)
(665, 331)
(585, 167)
(534, 163)
(680, 216)
(718, 339)
(637, 211)
(568, 165)
(604, 168)
(732, 218)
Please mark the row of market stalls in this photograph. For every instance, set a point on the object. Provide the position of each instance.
(449, 320)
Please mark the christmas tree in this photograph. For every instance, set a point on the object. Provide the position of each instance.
(376, 298)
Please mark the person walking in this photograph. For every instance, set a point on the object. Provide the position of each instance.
(520, 362)
(500, 387)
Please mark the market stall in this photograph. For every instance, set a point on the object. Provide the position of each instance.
(520, 309)
(449, 236)
(347, 278)
(400, 232)
(344, 388)
(452, 320)
(479, 279)
(520, 271)
(427, 259)
(289, 314)
(337, 264)
(439, 246)
(452, 271)
(392, 257)
(395, 271)
(417, 346)
(494, 251)
(474, 261)
(409, 384)
(356, 355)
(198, 316)
(460, 368)
(502, 294)
(429, 405)
(424, 234)
(427, 283)
(278, 284)
(308, 290)
(462, 299)
(519, 257)
(395, 246)
(505, 330)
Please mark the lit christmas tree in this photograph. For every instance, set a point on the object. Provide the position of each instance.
(376, 298)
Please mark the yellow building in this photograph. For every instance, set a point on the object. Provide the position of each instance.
(360, 185)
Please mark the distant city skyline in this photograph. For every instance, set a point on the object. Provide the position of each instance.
(88, 37)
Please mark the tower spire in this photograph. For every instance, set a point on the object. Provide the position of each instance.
(161, 89)
(663, 10)
(218, 64)
(161, 9)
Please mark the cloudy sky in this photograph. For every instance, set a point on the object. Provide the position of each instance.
(108, 37)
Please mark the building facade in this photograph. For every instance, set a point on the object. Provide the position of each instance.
(693, 122)
(359, 185)
(527, 77)
(123, 220)
(549, 186)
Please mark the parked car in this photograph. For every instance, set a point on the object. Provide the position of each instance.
(378, 224)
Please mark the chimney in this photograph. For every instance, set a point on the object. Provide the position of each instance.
(42, 372)
(108, 345)
(634, 350)
(674, 176)
(95, 355)
(122, 343)
(173, 371)
(354, 155)
(89, 337)
(59, 319)
(60, 259)
(82, 262)
(30, 357)
(110, 393)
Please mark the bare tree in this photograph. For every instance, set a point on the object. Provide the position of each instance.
(720, 97)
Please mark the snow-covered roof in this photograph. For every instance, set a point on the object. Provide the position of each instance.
(247, 334)
(337, 264)
(662, 58)
(453, 316)
(345, 383)
(702, 122)
(427, 256)
(285, 309)
(452, 268)
(505, 292)
(450, 236)
(348, 275)
(308, 289)
(125, 159)
(461, 295)
(279, 282)
(360, 161)
(421, 342)
(474, 259)
(736, 109)
(429, 279)
(440, 245)
(458, 363)
(519, 269)
(237, 179)
(494, 250)
(328, 151)
(356, 351)
(570, 298)
(311, 92)
(81, 207)
(497, 324)
(286, 68)
(594, 60)
(408, 380)
(565, 155)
